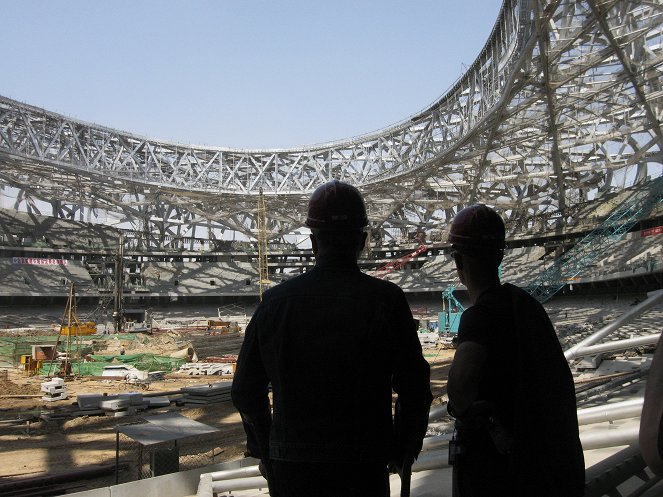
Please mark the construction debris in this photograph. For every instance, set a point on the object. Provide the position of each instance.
(206, 394)
(207, 368)
(54, 390)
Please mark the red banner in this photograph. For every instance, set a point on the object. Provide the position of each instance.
(652, 231)
(39, 262)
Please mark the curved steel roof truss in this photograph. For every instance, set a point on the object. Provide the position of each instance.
(564, 98)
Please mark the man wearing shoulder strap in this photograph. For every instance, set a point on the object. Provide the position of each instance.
(510, 387)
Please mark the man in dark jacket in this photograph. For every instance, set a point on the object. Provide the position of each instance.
(510, 387)
(333, 343)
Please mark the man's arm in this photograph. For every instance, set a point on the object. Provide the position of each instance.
(464, 376)
(250, 390)
(411, 381)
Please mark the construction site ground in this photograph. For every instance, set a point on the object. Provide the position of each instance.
(35, 448)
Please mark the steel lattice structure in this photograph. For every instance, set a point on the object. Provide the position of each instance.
(562, 105)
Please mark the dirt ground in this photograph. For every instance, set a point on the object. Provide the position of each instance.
(38, 447)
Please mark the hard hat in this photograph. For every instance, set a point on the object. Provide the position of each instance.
(336, 206)
(477, 227)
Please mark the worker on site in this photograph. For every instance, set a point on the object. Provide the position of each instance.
(333, 343)
(510, 387)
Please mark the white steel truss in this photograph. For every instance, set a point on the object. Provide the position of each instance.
(562, 105)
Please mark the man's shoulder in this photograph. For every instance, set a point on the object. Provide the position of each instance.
(286, 287)
(476, 314)
(361, 284)
(379, 283)
(521, 299)
(382, 292)
(492, 310)
(516, 291)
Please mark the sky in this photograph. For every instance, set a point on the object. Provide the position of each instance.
(243, 74)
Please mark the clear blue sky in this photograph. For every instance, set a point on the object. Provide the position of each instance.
(239, 73)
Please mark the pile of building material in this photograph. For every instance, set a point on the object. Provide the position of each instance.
(54, 390)
(206, 394)
(428, 339)
(226, 358)
(123, 404)
(122, 370)
(126, 404)
(207, 368)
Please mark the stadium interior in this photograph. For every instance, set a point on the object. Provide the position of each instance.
(557, 124)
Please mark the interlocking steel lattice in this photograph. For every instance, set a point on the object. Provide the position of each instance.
(562, 105)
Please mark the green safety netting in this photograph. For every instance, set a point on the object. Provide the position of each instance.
(82, 369)
(12, 347)
(143, 362)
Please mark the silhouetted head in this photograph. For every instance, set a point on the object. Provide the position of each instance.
(477, 236)
(337, 218)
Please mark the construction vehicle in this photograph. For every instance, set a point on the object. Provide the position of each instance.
(30, 366)
(452, 309)
(79, 329)
(218, 327)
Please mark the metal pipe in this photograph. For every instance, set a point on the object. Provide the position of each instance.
(437, 412)
(600, 439)
(431, 443)
(428, 461)
(239, 484)
(618, 345)
(652, 299)
(611, 412)
(432, 459)
(205, 486)
(441, 427)
(230, 474)
(616, 383)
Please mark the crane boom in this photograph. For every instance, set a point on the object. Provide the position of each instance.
(398, 263)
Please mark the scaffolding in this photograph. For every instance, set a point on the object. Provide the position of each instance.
(263, 267)
(588, 250)
(70, 332)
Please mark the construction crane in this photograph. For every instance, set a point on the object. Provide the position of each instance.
(263, 266)
(449, 318)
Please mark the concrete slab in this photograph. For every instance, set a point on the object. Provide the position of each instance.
(158, 401)
(114, 404)
(92, 400)
(134, 398)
